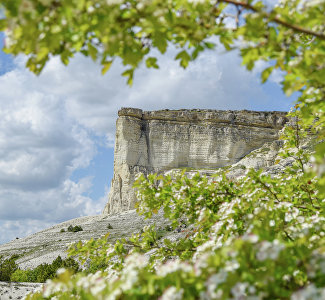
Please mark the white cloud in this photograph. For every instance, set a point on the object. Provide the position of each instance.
(39, 143)
(25, 212)
(40, 146)
(10, 230)
(276, 76)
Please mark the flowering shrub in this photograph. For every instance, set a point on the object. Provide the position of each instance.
(258, 237)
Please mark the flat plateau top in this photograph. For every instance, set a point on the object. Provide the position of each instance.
(272, 119)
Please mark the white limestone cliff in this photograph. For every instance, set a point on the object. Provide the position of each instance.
(157, 141)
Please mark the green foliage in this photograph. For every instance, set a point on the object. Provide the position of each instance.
(74, 228)
(62, 230)
(258, 237)
(7, 267)
(168, 228)
(20, 276)
(91, 254)
(133, 30)
(44, 271)
(109, 226)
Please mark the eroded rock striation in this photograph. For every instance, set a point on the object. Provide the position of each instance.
(157, 141)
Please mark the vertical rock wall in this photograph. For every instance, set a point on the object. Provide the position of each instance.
(156, 141)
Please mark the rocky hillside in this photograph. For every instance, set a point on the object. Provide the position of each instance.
(46, 245)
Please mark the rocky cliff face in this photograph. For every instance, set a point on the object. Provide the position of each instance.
(156, 141)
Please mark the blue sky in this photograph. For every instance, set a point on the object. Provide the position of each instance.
(57, 130)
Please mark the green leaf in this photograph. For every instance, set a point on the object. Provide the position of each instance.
(209, 45)
(266, 73)
(55, 29)
(64, 58)
(42, 53)
(129, 74)
(3, 24)
(184, 58)
(160, 41)
(80, 4)
(92, 51)
(151, 62)
(106, 66)
(196, 51)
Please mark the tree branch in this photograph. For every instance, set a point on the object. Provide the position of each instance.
(277, 19)
(269, 189)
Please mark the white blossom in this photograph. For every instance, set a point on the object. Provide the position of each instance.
(252, 238)
(114, 2)
(60, 271)
(173, 266)
(172, 293)
(268, 250)
(213, 282)
(239, 289)
(311, 292)
(231, 265)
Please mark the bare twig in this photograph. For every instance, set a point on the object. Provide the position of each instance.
(276, 19)
(269, 189)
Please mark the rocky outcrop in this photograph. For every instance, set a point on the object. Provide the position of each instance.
(156, 141)
(16, 290)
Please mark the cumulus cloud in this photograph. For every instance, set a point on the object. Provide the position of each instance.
(40, 147)
(10, 230)
(51, 125)
(25, 212)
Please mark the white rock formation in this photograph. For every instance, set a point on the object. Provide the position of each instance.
(156, 141)
(16, 290)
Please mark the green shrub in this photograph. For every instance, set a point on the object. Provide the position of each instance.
(75, 228)
(7, 267)
(20, 276)
(109, 226)
(95, 265)
(44, 271)
(160, 233)
(62, 230)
